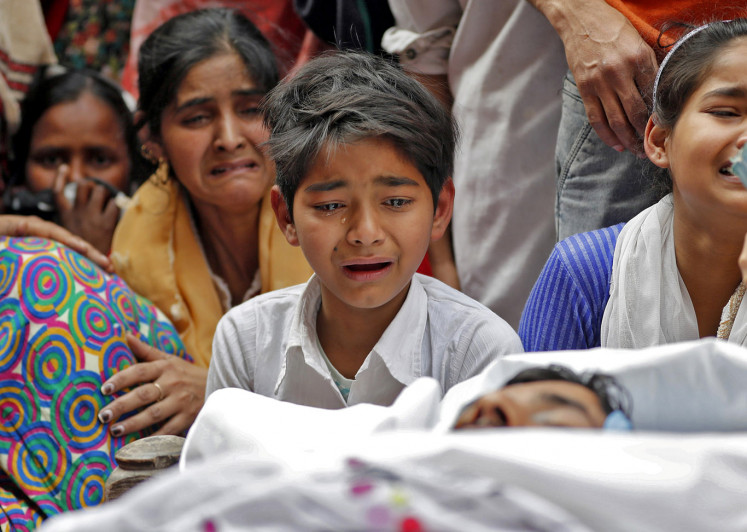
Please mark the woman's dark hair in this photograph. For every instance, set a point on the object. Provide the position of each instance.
(50, 88)
(175, 47)
(685, 69)
(612, 395)
(689, 65)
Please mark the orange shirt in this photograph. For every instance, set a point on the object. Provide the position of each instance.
(649, 16)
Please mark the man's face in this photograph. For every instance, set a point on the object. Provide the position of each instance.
(546, 403)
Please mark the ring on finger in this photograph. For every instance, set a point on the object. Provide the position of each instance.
(161, 395)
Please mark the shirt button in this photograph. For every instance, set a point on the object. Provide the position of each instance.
(410, 53)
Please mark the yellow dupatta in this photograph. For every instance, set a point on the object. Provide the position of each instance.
(157, 252)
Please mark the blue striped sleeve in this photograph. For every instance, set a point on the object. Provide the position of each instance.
(565, 307)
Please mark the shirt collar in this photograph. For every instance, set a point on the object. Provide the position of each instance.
(303, 327)
(399, 349)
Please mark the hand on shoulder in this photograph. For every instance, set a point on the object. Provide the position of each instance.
(18, 225)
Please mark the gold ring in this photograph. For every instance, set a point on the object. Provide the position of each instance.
(160, 391)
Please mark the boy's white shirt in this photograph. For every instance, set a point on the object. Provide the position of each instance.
(269, 345)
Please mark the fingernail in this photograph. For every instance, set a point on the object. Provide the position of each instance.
(105, 416)
(618, 148)
(107, 388)
(117, 430)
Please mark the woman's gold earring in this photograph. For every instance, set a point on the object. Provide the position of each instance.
(161, 175)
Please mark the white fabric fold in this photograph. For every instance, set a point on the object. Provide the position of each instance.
(649, 303)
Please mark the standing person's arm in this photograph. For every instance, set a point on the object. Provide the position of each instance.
(441, 252)
(422, 39)
(612, 65)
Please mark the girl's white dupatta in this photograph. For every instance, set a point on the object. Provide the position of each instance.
(649, 303)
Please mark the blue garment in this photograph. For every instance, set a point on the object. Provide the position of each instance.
(596, 186)
(565, 308)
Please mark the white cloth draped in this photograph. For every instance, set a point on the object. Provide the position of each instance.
(649, 303)
(251, 462)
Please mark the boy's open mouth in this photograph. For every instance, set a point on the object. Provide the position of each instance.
(367, 269)
(372, 267)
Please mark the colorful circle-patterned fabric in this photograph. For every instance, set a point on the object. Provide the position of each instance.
(62, 334)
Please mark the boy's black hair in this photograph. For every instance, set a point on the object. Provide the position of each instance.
(347, 97)
(612, 395)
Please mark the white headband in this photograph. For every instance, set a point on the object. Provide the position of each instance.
(671, 52)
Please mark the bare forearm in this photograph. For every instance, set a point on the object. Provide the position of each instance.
(611, 63)
(584, 19)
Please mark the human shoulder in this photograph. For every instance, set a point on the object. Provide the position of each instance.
(565, 307)
(276, 301)
(251, 338)
(463, 334)
(440, 294)
(589, 251)
(452, 312)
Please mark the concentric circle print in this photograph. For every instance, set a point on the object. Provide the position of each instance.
(145, 309)
(9, 266)
(84, 484)
(163, 336)
(92, 323)
(53, 356)
(88, 274)
(16, 516)
(14, 330)
(17, 408)
(47, 287)
(49, 505)
(122, 302)
(37, 461)
(115, 355)
(74, 410)
(30, 244)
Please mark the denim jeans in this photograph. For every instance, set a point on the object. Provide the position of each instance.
(596, 186)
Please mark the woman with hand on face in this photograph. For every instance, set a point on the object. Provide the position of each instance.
(200, 235)
(74, 152)
(672, 273)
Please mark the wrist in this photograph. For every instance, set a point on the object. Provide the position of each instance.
(574, 18)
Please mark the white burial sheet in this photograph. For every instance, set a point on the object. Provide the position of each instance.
(252, 463)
